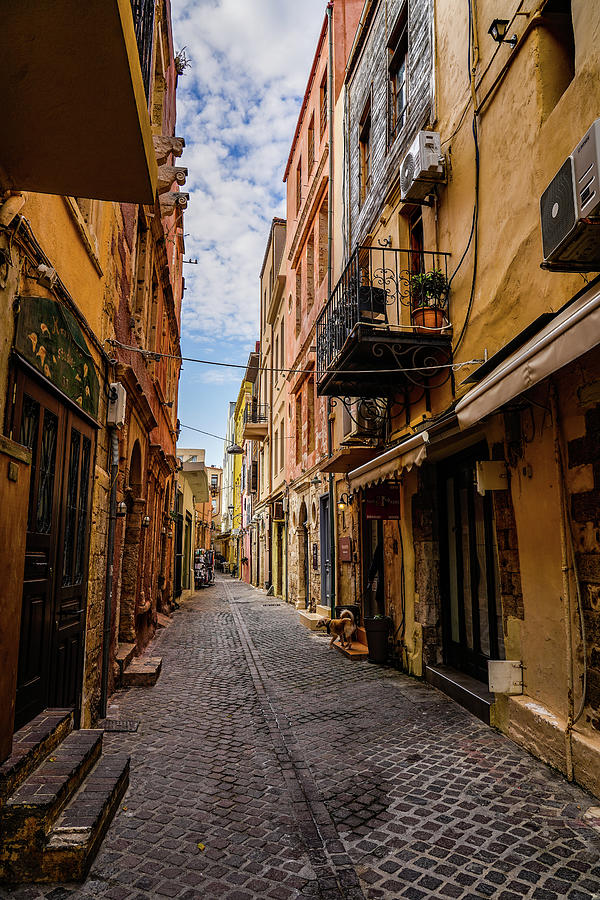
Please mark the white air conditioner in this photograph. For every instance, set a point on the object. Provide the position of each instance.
(570, 210)
(422, 166)
(117, 399)
(365, 423)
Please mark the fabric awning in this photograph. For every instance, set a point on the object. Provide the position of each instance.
(405, 455)
(570, 334)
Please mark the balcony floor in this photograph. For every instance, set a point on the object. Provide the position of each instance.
(371, 351)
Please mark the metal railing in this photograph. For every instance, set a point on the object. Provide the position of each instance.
(256, 415)
(143, 20)
(373, 288)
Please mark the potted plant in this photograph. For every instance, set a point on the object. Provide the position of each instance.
(377, 629)
(429, 299)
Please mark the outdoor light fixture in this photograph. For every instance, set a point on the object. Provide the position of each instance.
(345, 500)
(316, 481)
(145, 521)
(235, 450)
(121, 509)
(498, 32)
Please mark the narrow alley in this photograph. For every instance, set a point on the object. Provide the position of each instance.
(239, 787)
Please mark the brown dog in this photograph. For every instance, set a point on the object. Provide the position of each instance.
(344, 628)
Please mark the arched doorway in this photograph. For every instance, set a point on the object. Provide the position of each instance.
(132, 547)
(303, 558)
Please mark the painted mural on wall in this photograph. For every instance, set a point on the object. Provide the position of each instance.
(49, 338)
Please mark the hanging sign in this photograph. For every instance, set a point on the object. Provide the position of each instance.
(382, 501)
(49, 337)
(345, 545)
(315, 556)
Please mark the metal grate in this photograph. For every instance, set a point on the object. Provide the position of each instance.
(125, 725)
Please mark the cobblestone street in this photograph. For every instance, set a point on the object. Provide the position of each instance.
(268, 766)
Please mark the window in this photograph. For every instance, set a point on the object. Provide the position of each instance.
(298, 428)
(298, 299)
(556, 53)
(299, 185)
(214, 481)
(397, 70)
(276, 359)
(310, 414)
(365, 152)
(415, 231)
(311, 143)
(275, 450)
(322, 241)
(281, 349)
(323, 104)
(282, 445)
(310, 270)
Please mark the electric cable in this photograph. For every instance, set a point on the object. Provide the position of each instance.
(153, 355)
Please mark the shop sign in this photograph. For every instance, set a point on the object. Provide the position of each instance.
(50, 339)
(382, 501)
(315, 555)
(345, 545)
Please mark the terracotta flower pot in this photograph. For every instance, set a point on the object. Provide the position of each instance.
(428, 318)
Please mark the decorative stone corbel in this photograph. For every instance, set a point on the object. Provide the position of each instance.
(168, 202)
(169, 174)
(164, 145)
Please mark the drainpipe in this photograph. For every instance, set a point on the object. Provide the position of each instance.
(566, 586)
(329, 289)
(110, 550)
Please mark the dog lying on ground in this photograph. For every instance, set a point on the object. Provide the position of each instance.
(344, 628)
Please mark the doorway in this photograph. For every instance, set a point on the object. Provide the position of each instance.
(54, 601)
(303, 557)
(471, 607)
(325, 535)
(373, 571)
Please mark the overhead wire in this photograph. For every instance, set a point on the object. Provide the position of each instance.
(151, 354)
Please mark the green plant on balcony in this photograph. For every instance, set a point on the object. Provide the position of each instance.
(429, 299)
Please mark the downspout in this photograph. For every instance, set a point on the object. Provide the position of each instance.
(110, 550)
(566, 586)
(330, 89)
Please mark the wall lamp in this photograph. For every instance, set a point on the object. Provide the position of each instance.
(121, 509)
(345, 500)
(316, 481)
(146, 522)
(498, 32)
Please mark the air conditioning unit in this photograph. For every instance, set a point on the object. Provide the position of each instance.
(570, 210)
(422, 166)
(117, 400)
(366, 423)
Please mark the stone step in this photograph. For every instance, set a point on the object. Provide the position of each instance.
(323, 611)
(310, 620)
(465, 690)
(142, 672)
(123, 656)
(31, 745)
(355, 651)
(77, 834)
(30, 812)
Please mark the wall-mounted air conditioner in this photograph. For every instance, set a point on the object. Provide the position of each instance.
(570, 210)
(363, 422)
(422, 166)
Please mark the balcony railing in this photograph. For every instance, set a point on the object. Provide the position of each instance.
(256, 415)
(375, 286)
(143, 20)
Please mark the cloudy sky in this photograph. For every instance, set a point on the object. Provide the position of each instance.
(237, 107)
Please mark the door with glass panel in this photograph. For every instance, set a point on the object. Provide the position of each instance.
(470, 581)
(55, 576)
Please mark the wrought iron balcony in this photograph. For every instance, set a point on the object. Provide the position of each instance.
(143, 21)
(256, 422)
(386, 326)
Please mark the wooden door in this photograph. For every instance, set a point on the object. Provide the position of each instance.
(57, 548)
(39, 425)
(72, 566)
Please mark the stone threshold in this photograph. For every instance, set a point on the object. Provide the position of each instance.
(465, 690)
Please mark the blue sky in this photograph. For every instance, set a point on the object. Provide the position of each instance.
(237, 108)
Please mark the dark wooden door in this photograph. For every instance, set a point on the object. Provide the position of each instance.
(472, 624)
(72, 568)
(39, 425)
(55, 577)
(325, 551)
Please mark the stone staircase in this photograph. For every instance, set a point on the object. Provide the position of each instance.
(135, 671)
(58, 795)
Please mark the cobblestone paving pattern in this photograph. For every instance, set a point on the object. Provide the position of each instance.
(304, 774)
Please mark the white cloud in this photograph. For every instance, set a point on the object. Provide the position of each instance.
(237, 109)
